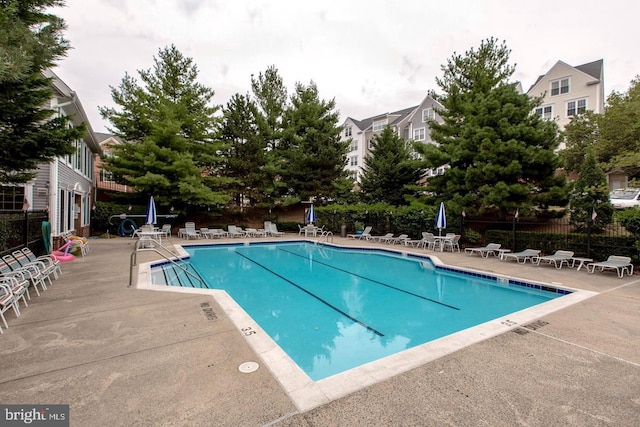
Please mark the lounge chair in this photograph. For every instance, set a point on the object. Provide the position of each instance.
(558, 259)
(382, 238)
(47, 270)
(366, 234)
(621, 264)
(522, 257)
(400, 239)
(485, 251)
(190, 231)
(273, 230)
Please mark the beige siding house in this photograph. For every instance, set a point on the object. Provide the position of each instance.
(567, 91)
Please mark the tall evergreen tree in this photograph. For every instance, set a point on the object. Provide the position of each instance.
(313, 157)
(500, 156)
(591, 194)
(31, 40)
(390, 170)
(245, 154)
(168, 126)
(270, 96)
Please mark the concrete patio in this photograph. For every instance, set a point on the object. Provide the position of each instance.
(126, 356)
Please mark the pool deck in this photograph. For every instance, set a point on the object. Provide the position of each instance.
(128, 356)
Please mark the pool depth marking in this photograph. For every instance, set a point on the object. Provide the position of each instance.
(375, 331)
(373, 280)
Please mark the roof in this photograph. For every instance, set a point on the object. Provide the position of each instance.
(593, 69)
(398, 116)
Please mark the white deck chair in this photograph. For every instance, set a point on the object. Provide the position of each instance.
(622, 264)
(484, 251)
(366, 234)
(558, 259)
(522, 257)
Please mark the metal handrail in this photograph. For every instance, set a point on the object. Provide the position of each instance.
(326, 235)
(133, 259)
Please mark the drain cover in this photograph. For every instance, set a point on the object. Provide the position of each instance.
(248, 367)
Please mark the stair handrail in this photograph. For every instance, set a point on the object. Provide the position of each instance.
(133, 259)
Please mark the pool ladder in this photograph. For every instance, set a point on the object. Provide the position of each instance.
(168, 255)
(325, 235)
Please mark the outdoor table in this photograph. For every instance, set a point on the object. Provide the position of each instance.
(148, 235)
(440, 240)
(310, 231)
(501, 252)
(582, 262)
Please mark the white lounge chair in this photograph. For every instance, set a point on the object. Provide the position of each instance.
(485, 251)
(400, 239)
(366, 234)
(558, 259)
(190, 231)
(382, 238)
(621, 264)
(273, 230)
(523, 256)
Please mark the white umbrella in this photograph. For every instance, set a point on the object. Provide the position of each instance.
(311, 215)
(151, 212)
(441, 219)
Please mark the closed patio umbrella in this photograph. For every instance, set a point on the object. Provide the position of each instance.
(151, 212)
(441, 219)
(311, 215)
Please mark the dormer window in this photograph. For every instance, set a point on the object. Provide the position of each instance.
(379, 124)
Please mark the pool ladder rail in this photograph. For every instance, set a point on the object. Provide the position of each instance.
(154, 245)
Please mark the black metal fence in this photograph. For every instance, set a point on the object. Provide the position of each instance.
(20, 229)
(552, 235)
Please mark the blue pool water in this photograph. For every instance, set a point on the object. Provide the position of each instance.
(332, 309)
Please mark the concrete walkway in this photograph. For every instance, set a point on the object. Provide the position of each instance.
(124, 356)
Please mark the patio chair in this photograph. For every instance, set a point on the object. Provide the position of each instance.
(9, 299)
(621, 264)
(523, 256)
(452, 243)
(366, 234)
(484, 251)
(558, 259)
(166, 229)
(31, 272)
(47, 259)
(428, 241)
(47, 270)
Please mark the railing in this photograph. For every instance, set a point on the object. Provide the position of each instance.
(139, 248)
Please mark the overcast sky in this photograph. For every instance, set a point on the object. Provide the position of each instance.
(371, 56)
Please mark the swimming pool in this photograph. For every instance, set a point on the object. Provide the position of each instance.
(332, 309)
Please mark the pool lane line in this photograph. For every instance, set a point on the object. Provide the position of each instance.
(375, 331)
(373, 280)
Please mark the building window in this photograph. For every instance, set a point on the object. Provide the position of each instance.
(428, 114)
(545, 112)
(379, 124)
(11, 198)
(354, 145)
(579, 106)
(106, 176)
(353, 161)
(419, 134)
(559, 86)
(347, 131)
